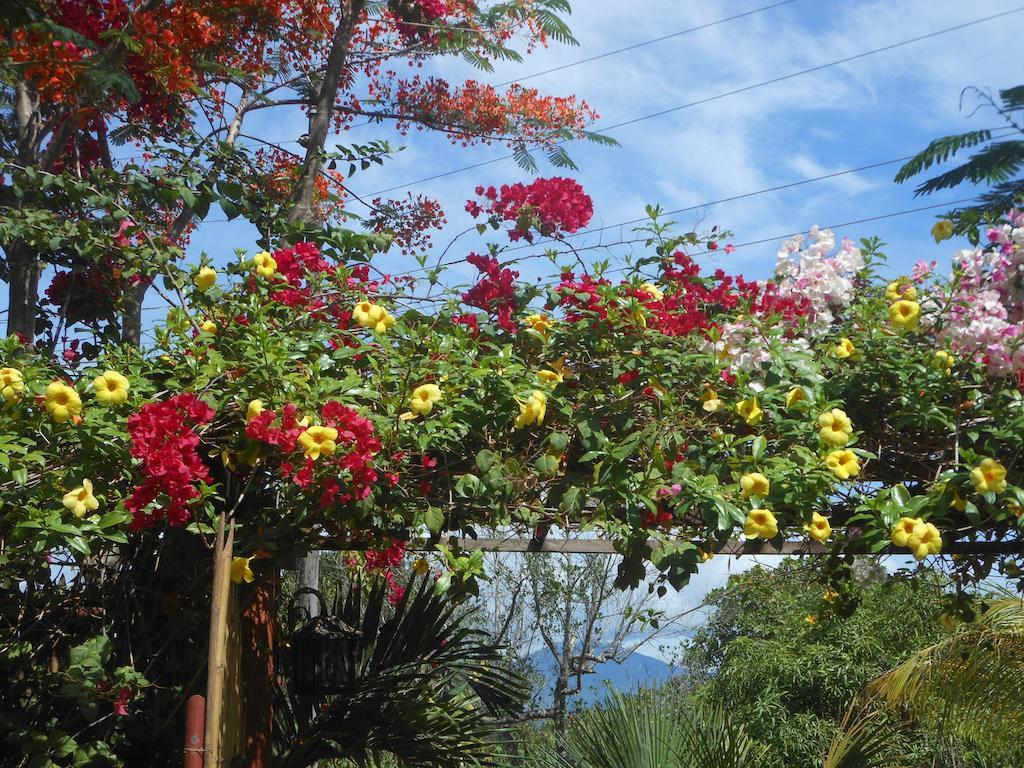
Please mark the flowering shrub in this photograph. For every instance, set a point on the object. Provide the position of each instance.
(306, 400)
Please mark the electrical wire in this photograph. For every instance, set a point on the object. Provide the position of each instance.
(644, 43)
(716, 97)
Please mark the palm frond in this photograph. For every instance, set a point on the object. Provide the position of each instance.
(968, 684)
(865, 739)
(639, 731)
(416, 683)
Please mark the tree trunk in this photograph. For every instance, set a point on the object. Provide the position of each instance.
(23, 291)
(308, 575)
(256, 636)
(320, 119)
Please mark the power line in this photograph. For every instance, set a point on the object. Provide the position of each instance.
(776, 188)
(634, 46)
(716, 97)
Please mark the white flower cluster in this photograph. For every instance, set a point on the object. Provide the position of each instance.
(816, 273)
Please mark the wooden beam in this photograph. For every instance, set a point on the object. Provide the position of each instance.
(756, 547)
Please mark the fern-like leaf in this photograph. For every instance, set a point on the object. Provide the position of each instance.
(994, 164)
(939, 151)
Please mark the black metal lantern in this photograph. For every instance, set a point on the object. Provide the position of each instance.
(322, 650)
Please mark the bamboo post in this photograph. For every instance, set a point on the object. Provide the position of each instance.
(217, 663)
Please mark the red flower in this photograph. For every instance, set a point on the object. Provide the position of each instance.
(163, 437)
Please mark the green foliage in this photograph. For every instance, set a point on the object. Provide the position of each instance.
(418, 683)
(969, 683)
(997, 164)
(640, 731)
(762, 659)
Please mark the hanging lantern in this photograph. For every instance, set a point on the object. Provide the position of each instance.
(321, 649)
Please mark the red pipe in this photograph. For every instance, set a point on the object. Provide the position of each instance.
(195, 727)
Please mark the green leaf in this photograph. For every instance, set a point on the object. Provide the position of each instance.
(433, 518)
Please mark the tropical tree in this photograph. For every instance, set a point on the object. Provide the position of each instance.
(967, 684)
(996, 163)
(779, 651)
(179, 81)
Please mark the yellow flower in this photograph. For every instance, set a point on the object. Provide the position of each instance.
(533, 410)
(754, 484)
(559, 367)
(208, 326)
(705, 554)
(550, 377)
(819, 528)
(761, 524)
(254, 409)
(943, 360)
(653, 290)
(110, 387)
(81, 501)
(903, 530)
(989, 477)
(943, 230)
(372, 316)
(205, 278)
(266, 265)
(241, 571)
(830, 595)
(959, 503)
(421, 566)
(925, 540)
(794, 396)
(843, 463)
(539, 323)
(11, 384)
(836, 427)
(900, 289)
(62, 402)
(318, 441)
(710, 401)
(750, 411)
(424, 397)
(810, 618)
(905, 314)
(844, 349)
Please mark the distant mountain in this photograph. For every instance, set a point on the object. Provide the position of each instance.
(637, 671)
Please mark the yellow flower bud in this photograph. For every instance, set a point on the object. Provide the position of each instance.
(943, 360)
(254, 409)
(208, 326)
(205, 278)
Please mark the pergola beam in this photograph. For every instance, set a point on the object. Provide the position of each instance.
(755, 547)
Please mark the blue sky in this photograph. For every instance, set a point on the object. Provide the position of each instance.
(874, 109)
